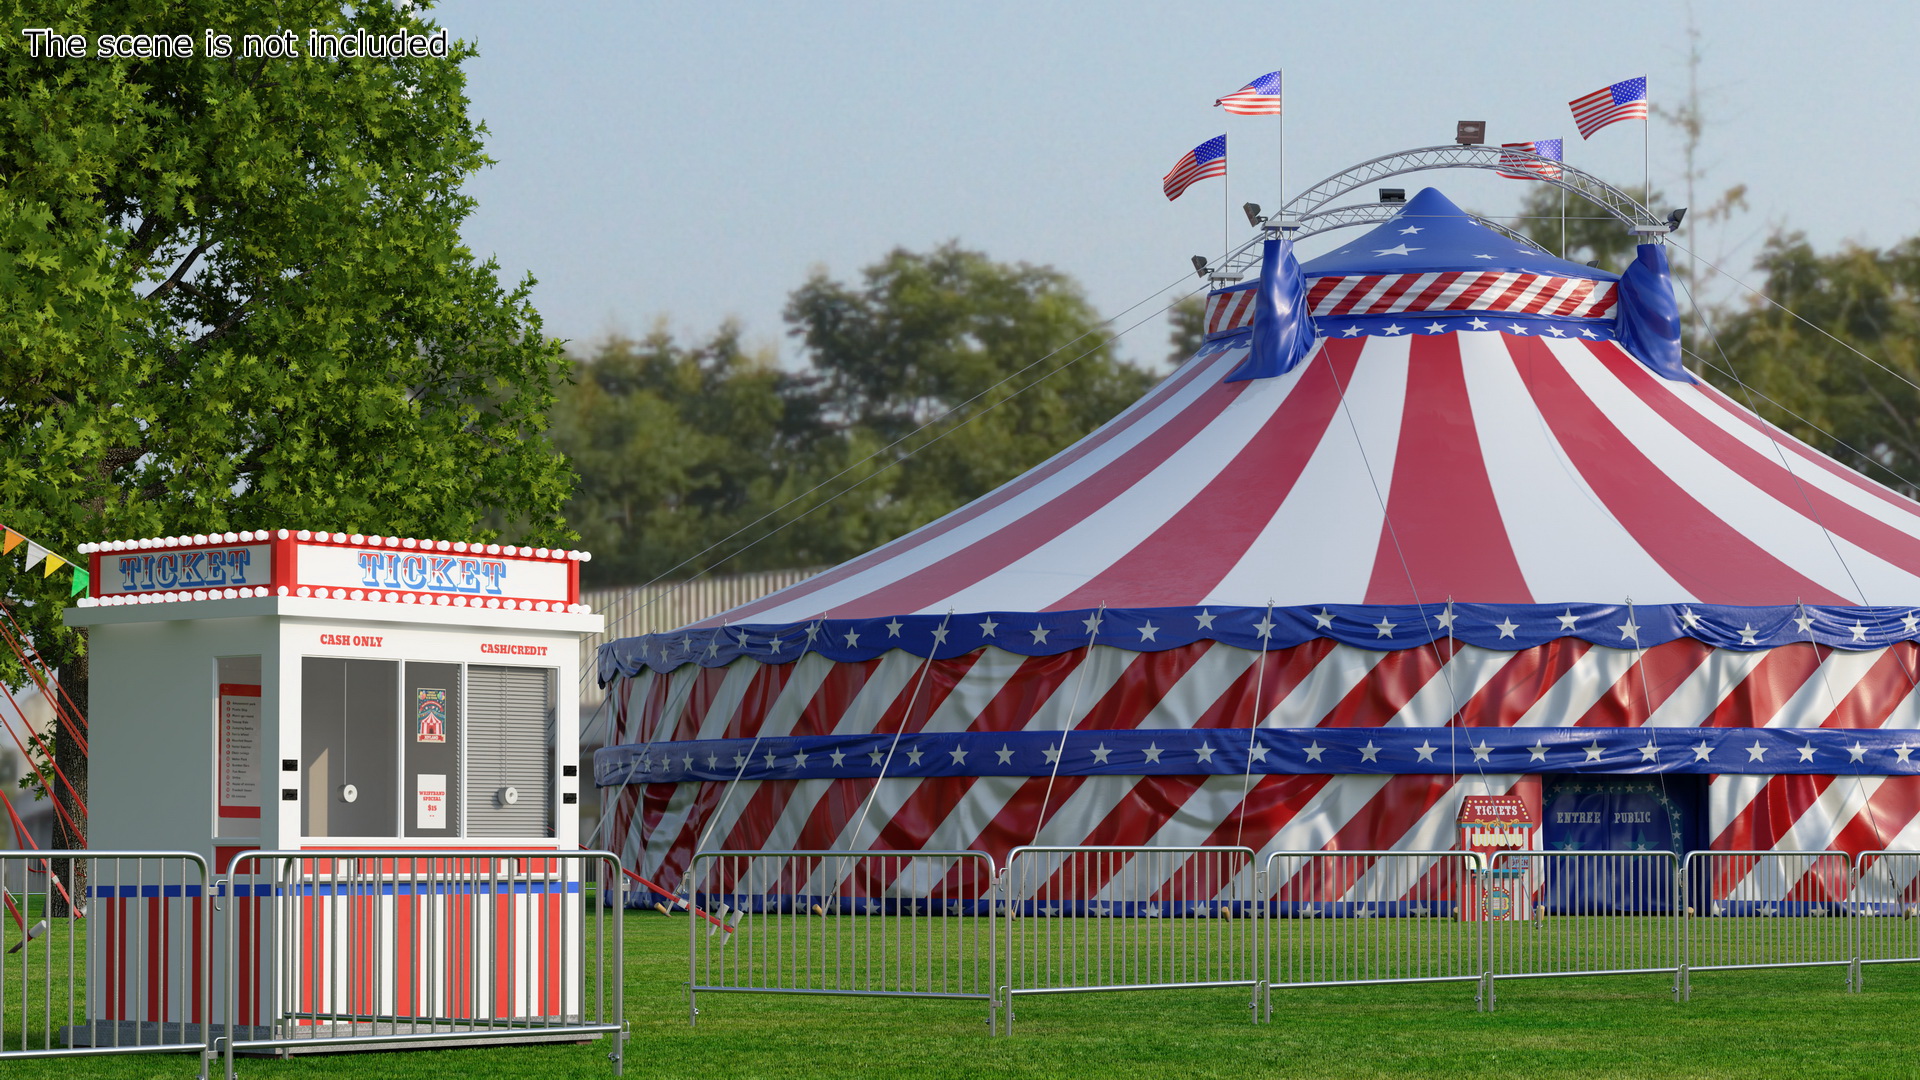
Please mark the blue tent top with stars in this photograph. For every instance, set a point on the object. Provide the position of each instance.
(1430, 235)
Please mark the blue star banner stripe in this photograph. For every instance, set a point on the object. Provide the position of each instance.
(1292, 751)
(1383, 627)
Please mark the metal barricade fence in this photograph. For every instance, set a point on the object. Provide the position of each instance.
(66, 986)
(1885, 908)
(1349, 918)
(864, 924)
(1769, 909)
(390, 948)
(1082, 919)
(1552, 914)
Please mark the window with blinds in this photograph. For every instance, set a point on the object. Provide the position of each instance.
(509, 789)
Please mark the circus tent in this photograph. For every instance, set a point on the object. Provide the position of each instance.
(1485, 536)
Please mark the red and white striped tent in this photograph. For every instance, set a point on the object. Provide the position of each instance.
(1471, 544)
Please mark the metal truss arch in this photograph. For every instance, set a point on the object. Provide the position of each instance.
(1343, 217)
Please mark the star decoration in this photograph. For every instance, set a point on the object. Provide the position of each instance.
(1911, 622)
(1567, 619)
(739, 761)
(1053, 753)
(1538, 751)
(1314, 750)
(772, 761)
(1702, 751)
(1593, 751)
(713, 761)
(1650, 752)
(1516, 328)
(1556, 331)
(1478, 324)
(913, 757)
(1630, 631)
(987, 628)
(838, 757)
(1205, 619)
(1351, 330)
(1005, 754)
(1392, 329)
(940, 635)
(1039, 635)
(1152, 753)
(1486, 256)
(1410, 230)
(1688, 619)
(1204, 754)
(1506, 626)
(775, 643)
(713, 645)
(1369, 752)
(1425, 749)
(799, 759)
(1586, 333)
(853, 639)
(1445, 619)
(1147, 632)
(1323, 619)
(958, 755)
(1859, 631)
(1265, 626)
(1806, 752)
(1100, 753)
(1259, 753)
(893, 627)
(1749, 636)
(1804, 621)
(1397, 249)
(1756, 752)
(1483, 751)
(1902, 752)
(1434, 327)
(813, 631)
(1385, 627)
(1092, 623)
(874, 758)
(1856, 752)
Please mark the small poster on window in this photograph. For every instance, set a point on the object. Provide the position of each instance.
(431, 717)
(430, 807)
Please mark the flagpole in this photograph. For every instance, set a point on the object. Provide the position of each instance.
(1646, 150)
(1281, 176)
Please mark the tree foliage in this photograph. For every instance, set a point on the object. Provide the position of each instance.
(1803, 360)
(934, 378)
(233, 295)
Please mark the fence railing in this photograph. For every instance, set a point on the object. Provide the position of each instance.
(1082, 919)
(386, 948)
(71, 921)
(1886, 908)
(1770, 909)
(866, 924)
(1583, 913)
(1363, 917)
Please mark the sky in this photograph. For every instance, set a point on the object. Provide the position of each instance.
(694, 163)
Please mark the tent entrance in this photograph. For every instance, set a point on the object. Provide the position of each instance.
(1624, 813)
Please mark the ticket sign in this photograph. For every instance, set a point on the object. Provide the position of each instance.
(223, 566)
(470, 574)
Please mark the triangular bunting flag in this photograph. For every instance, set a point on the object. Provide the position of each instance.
(11, 541)
(34, 554)
(81, 579)
(54, 562)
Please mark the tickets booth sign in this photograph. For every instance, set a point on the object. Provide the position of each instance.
(1490, 825)
(310, 691)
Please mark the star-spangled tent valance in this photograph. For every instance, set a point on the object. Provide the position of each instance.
(1382, 627)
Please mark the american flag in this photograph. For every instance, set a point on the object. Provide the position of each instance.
(1261, 97)
(1207, 159)
(1624, 100)
(1515, 167)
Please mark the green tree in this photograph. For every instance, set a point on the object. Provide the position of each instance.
(233, 295)
(1799, 360)
(938, 377)
(1186, 328)
(1590, 233)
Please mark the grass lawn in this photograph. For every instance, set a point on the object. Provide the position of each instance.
(1794, 1023)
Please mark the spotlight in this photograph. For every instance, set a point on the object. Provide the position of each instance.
(1200, 267)
(1253, 214)
(1674, 217)
(1393, 195)
(1470, 132)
